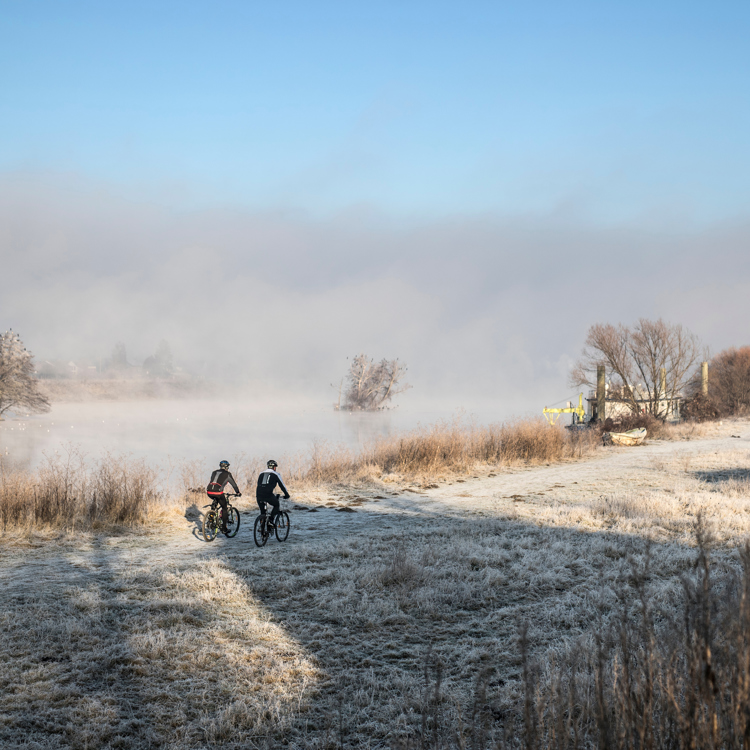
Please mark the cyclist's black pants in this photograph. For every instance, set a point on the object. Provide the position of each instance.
(222, 501)
(272, 500)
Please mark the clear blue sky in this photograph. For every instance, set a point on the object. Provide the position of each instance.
(604, 110)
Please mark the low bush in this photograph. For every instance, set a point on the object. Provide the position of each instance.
(729, 381)
(700, 408)
(643, 681)
(625, 422)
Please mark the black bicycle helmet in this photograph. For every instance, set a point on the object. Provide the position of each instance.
(223, 464)
(272, 464)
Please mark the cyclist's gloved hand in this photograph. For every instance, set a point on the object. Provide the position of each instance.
(239, 494)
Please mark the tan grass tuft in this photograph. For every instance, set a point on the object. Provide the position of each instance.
(66, 492)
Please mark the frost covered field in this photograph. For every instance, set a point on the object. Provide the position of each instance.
(153, 638)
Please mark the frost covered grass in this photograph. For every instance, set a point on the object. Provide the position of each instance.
(397, 630)
(104, 652)
(379, 640)
(463, 616)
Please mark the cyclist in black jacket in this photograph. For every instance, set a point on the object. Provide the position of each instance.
(267, 483)
(215, 490)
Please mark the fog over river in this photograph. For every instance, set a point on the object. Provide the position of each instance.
(210, 430)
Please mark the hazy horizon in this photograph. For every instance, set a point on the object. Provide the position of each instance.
(272, 191)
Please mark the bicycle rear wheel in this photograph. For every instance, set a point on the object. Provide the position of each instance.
(233, 522)
(282, 525)
(260, 532)
(210, 526)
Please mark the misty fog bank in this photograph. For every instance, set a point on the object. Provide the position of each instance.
(480, 308)
(167, 432)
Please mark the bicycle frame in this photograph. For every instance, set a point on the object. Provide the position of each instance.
(214, 521)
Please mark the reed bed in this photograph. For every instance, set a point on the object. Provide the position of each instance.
(455, 447)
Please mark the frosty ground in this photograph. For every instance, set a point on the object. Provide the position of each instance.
(156, 639)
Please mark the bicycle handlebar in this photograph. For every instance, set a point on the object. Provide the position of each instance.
(278, 497)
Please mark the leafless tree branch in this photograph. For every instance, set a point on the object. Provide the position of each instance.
(370, 385)
(649, 364)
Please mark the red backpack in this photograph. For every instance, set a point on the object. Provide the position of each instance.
(214, 489)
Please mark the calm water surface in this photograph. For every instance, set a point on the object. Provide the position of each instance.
(211, 430)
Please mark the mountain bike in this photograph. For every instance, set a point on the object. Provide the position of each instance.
(263, 529)
(212, 520)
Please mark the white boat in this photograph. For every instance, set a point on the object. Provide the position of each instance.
(631, 437)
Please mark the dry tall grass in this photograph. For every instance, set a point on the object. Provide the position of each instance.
(647, 677)
(67, 492)
(444, 449)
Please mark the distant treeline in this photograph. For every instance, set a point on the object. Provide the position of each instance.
(160, 364)
(105, 388)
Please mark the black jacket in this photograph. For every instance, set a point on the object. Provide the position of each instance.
(219, 480)
(268, 481)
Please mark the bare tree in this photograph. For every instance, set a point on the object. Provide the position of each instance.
(729, 380)
(370, 385)
(18, 386)
(649, 364)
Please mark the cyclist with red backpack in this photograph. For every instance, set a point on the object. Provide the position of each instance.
(215, 490)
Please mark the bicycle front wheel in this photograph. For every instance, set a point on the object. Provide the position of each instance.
(233, 522)
(210, 526)
(282, 525)
(260, 533)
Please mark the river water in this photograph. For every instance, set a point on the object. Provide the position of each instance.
(210, 430)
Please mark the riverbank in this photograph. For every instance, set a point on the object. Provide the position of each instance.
(69, 490)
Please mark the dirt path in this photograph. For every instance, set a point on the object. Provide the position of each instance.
(609, 471)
